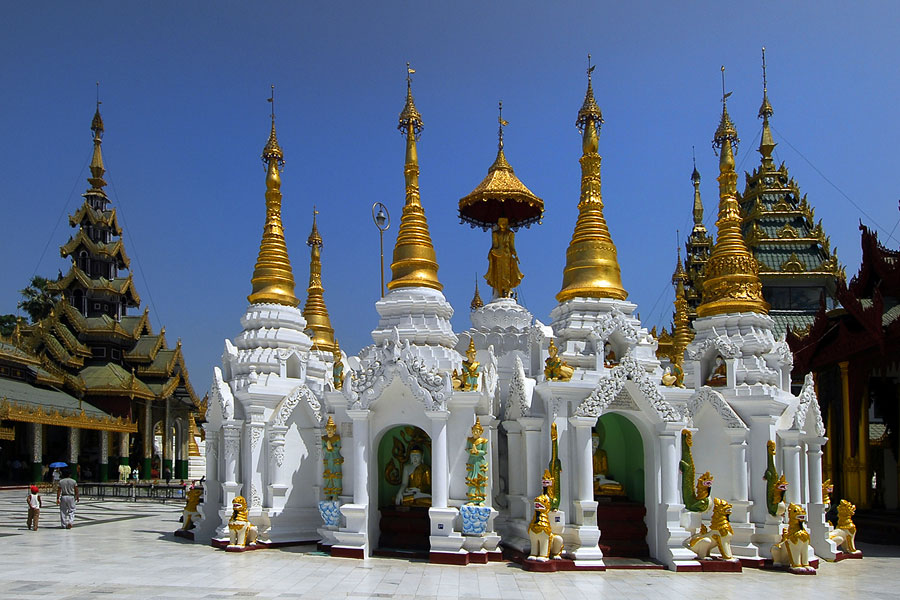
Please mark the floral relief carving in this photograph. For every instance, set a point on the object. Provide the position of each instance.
(609, 387)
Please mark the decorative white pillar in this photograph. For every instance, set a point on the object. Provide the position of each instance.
(253, 466)
(667, 544)
(167, 439)
(360, 455)
(584, 514)
(741, 544)
(353, 540)
(104, 450)
(74, 446)
(533, 467)
(440, 489)
(669, 468)
(148, 440)
(124, 448)
(37, 443)
(515, 468)
(278, 485)
(232, 442)
(819, 529)
(738, 449)
(790, 452)
(490, 430)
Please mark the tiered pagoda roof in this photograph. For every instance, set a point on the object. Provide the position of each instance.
(88, 347)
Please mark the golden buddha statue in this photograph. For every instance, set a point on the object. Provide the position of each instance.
(503, 263)
(415, 481)
(719, 375)
(609, 358)
(467, 380)
(603, 486)
(556, 369)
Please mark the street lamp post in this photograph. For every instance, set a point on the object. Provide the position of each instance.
(382, 219)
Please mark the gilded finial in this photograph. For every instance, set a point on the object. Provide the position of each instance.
(477, 302)
(414, 262)
(97, 169)
(273, 278)
(726, 130)
(731, 278)
(766, 142)
(592, 265)
(502, 122)
(318, 323)
(698, 203)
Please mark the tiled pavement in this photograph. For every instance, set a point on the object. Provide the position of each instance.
(126, 550)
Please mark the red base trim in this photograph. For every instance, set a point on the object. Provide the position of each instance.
(548, 566)
(340, 552)
(449, 558)
(844, 555)
(720, 566)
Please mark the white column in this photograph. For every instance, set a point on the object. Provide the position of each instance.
(669, 466)
(104, 449)
(440, 489)
(790, 451)
(74, 446)
(124, 447)
(167, 438)
(37, 443)
(515, 468)
(814, 468)
(490, 430)
(148, 436)
(761, 429)
(738, 450)
(361, 455)
(278, 478)
(584, 464)
(533, 467)
(231, 451)
(253, 467)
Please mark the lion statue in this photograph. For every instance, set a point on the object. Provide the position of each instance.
(793, 549)
(194, 496)
(844, 534)
(241, 531)
(544, 543)
(717, 536)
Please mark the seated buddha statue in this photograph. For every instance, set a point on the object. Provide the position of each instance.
(719, 375)
(609, 358)
(603, 485)
(415, 481)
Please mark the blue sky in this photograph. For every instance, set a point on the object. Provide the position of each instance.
(184, 88)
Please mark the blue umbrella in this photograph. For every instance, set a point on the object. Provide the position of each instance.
(58, 465)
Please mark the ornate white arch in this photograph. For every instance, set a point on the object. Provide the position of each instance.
(390, 360)
(518, 403)
(723, 346)
(606, 391)
(289, 403)
(717, 401)
(611, 322)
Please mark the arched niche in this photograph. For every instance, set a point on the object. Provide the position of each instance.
(393, 453)
(624, 452)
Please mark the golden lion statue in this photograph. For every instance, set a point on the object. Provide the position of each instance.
(544, 543)
(793, 549)
(241, 531)
(717, 536)
(844, 534)
(194, 496)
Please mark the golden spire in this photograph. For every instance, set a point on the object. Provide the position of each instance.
(681, 330)
(766, 143)
(731, 282)
(97, 169)
(315, 311)
(477, 302)
(592, 267)
(698, 203)
(273, 279)
(415, 263)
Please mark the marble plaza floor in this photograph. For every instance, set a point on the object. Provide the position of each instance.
(126, 550)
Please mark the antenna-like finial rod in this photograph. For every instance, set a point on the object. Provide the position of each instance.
(590, 68)
(98, 96)
(409, 72)
(724, 96)
(502, 124)
(764, 67)
(694, 156)
(271, 99)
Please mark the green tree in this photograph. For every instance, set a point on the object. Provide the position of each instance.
(7, 325)
(37, 300)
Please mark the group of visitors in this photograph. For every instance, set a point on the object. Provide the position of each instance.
(66, 498)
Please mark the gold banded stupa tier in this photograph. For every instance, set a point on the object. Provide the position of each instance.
(415, 263)
(273, 279)
(731, 279)
(592, 266)
(318, 323)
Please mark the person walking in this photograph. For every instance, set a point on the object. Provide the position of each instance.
(66, 497)
(34, 507)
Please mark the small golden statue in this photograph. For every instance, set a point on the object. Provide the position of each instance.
(477, 465)
(844, 534)
(467, 380)
(241, 531)
(827, 489)
(718, 535)
(556, 369)
(544, 543)
(415, 486)
(194, 496)
(337, 372)
(603, 485)
(332, 461)
(668, 379)
(503, 263)
(719, 375)
(793, 549)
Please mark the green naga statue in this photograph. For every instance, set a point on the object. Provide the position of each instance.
(555, 467)
(695, 500)
(775, 484)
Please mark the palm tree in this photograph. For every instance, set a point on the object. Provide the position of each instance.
(37, 299)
